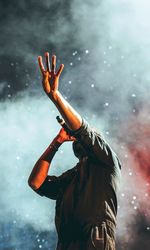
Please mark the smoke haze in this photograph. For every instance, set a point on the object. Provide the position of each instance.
(105, 48)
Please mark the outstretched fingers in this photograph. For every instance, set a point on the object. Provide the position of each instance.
(47, 61)
(60, 70)
(41, 64)
(53, 64)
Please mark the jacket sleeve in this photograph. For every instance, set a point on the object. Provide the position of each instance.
(53, 184)
(49, 188)
(95, 144)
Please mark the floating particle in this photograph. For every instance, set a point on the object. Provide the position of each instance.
(106, 104)
(122, 194)
(130, 173)
(74, 53)
(40, 246)
(71, 63)
(9, 95)
(110, 47)
(92, 85)
(8, 86)
(135, 207)
(18, 158)
(79, 58)
(133, 95)
(148, 228)
(86, 51)
(70, 82)
(134, 197)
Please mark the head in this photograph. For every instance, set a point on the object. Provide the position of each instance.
(79, 150)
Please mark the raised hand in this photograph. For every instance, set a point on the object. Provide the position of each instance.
(64, 136)
(50, 78)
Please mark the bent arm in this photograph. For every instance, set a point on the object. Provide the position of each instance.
(41, 167)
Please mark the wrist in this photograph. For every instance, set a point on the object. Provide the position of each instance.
(58, 140)
(54, 96)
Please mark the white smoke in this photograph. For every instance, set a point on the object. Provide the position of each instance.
(27, 128)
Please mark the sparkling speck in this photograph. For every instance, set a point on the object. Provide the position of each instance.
(106, 104)
(74, 53)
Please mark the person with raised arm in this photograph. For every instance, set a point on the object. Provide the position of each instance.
(86, 194)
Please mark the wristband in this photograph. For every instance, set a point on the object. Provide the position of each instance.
(54, 146)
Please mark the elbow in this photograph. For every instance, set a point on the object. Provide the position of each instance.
(31, 184)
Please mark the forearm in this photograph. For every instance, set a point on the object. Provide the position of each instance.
(71, 117)
(41, 167)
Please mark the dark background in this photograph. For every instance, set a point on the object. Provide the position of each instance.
(105, 48)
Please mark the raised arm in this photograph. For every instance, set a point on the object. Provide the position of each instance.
(93, 142)
(50, 85)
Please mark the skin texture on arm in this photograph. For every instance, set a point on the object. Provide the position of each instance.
(41, 168)
(50, 83)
